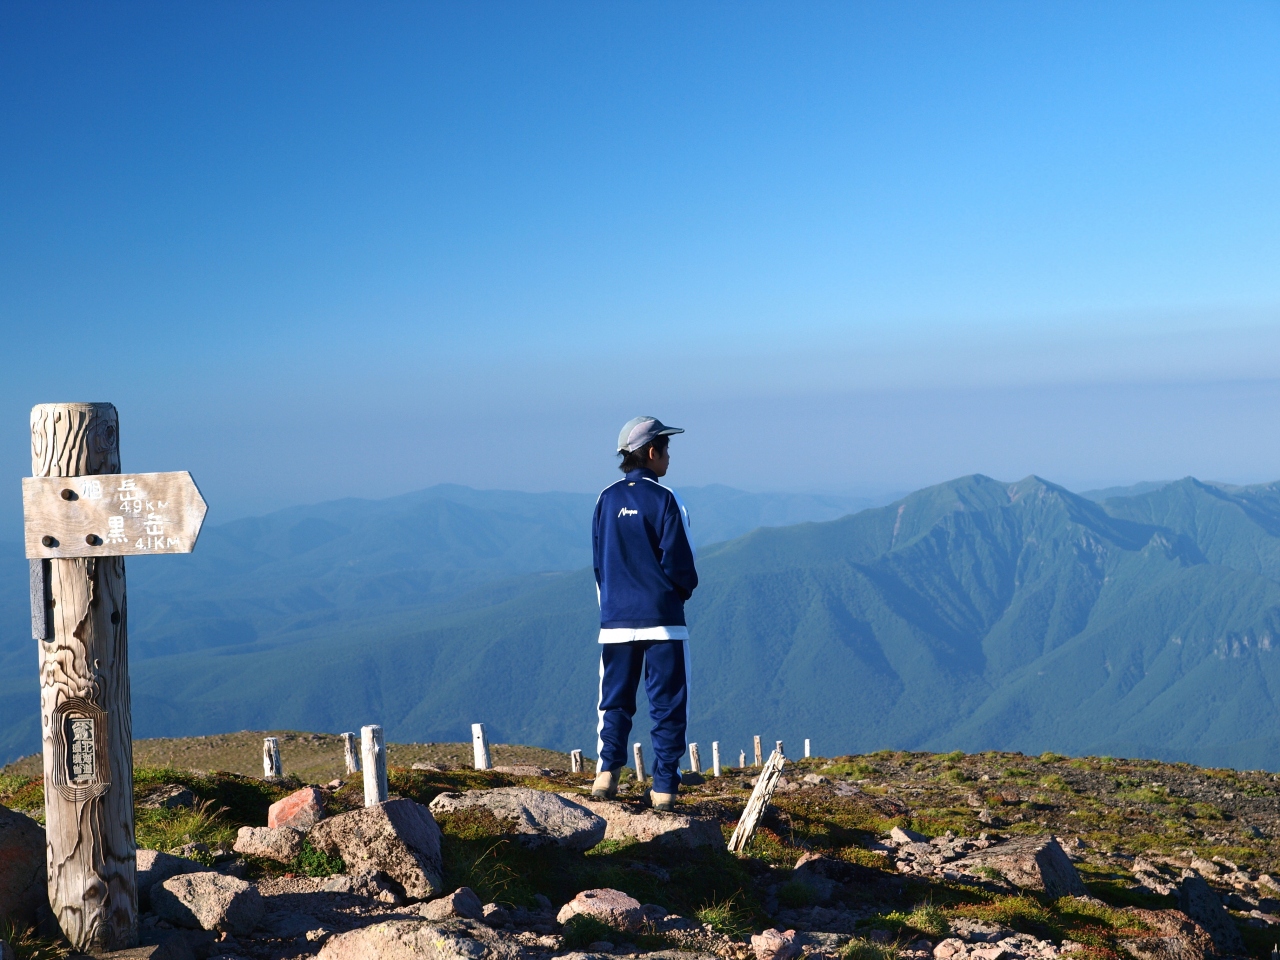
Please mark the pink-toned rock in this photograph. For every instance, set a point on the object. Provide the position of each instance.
(612, 907)
(463, 902)
(397, 837)
(774, 944)
(22, 867)
(300, 810)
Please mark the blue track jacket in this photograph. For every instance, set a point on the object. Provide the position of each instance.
(643, 557)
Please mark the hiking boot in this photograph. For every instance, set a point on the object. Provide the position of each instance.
(606, 785)
(662, 802)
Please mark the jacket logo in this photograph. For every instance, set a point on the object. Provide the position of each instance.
(624, 512)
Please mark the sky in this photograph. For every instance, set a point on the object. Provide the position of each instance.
(316, 250)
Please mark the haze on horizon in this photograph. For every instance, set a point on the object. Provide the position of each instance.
(317, 250)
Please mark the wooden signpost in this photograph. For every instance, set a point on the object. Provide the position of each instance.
(81, 518)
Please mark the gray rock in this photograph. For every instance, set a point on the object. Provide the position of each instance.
(209, 901)
(420, 940)
(272, 843)
(900, 835)
(287, 924)
(399, 838)
(612, 907)
(775, 945)
(1161, 948)
(22, 867)
(692, 779)
(523, 770)
(624, 822)
(1201, 904)
(367, 883)
(463, 902)
(496, 916)
(540, 817)
(155, 867)
(168, 797)
(170, 948)
(1033, 863)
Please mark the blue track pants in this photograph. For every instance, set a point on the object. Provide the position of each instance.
(666, 682)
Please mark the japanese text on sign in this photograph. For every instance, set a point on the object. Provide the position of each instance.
(82, 759)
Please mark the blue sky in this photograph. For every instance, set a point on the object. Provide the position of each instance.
(318, 250)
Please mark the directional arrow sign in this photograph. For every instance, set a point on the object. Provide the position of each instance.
(111, 515)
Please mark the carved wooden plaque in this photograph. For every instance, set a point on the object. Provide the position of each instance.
(81, 769)
(111, 515)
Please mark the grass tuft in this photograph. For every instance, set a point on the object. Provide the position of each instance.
(166, 829)
(727, 917)
(859, 949)
(582, 930)
(27, 945)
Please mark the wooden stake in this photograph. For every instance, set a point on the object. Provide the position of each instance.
(351, 747)
(695, 762)
(777, 745)
(575, 761)
(715, 758)
(742, 759)
(375, 764)
(638, 751)
(759, 755)
(84, 703)
(271, 767)
(480, 747)
(806, 748)
(759, 801)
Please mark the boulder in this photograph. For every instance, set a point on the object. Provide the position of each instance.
(774, 944)
(300, 810)
(155, 867)
(398, 837)
(209, 901)
(900, 835)
(271, 843)
(1198, 901)
(624, 822)
(1174, 936)
(1033, 863)
(463, 902)
(419, 940)
(168, 797)
(612, 907)
(541, 818)
(496, 916)
(22, 868)
(366, 883)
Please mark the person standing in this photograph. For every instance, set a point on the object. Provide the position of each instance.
(644, 563)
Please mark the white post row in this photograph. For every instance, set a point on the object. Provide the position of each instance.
(695, 761)
(806, 748)
(375, 764)
(271, 768)
(351, 748)
(742, 759)
(81, 517)
(638, 753)
(759, 754)
(480, 747)
(715, 758)
(575, 761)
(757, 804)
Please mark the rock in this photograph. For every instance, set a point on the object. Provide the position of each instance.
(191, 850)
(429, 767)
(775, 945)
(816, 778)
(22, 867)
(692, 779)
(522, 770)
(170, 948)
(949, 948)
(1161, 948)
(366, 883)
(209, 901)
(397, 837)
(818, 873)
(461, 903)
(1205, 867)
(155, 867)
(899, 835)
(1033, 863)
(601, 946)
(419, 940)
(169, 797)
(300, 810)
(1174, 936)
(271, 843)
(496, 916)
(540, 817)
(624, 822)
(1201, 904)
(287, 924)
(612, 907)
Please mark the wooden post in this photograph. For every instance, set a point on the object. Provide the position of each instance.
(695, 762)
(638, 752)
(757, 804)
(777, 745)
(806, 748)
(84, 703)
(350, 747)
(759, 755)
(715, 758)
(480, 747)
(271, 767)
(575, 761)
(375, 764)
(742, 759)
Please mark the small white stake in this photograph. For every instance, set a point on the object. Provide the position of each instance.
(271, 758)
(480, 747)
(375, 764)
(715, 758)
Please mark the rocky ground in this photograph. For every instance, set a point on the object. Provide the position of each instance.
(991, 856)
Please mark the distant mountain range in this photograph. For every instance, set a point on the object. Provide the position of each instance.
(971, 615)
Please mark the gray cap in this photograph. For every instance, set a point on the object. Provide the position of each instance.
(641, 430)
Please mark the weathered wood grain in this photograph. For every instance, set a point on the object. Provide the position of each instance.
(127, 514)
(272, 768)
(374, 758)
(638, 752)
(759, 754)
(695, 761)
(758, 803)
(480, 747)
(351, 751)
(40, 598)
(84, 704)
(575, 761)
